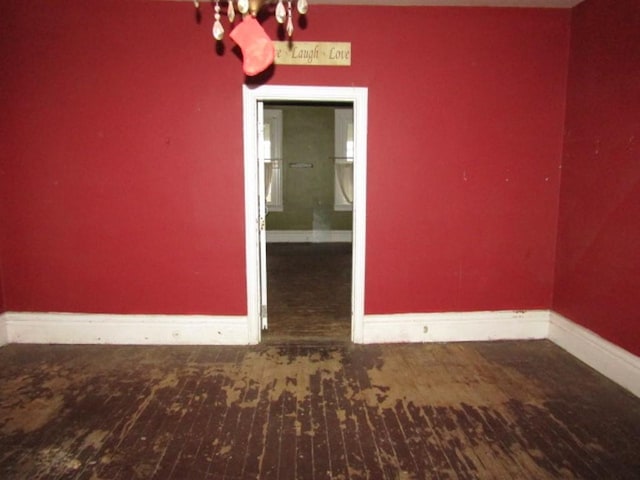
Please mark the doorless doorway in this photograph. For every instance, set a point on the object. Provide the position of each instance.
(255, 208)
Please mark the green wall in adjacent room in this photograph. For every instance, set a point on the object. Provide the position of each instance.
(308, 138)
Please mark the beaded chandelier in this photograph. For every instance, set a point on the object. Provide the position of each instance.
(282, 13)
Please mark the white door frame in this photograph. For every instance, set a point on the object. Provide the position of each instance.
(275, 93)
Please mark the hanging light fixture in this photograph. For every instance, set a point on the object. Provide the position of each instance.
(283, 13)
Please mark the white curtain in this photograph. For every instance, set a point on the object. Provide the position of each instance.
(268, 177)
(343, 151)
(344, 174)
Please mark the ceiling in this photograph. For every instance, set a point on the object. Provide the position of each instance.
(455, 3)
(459, 3)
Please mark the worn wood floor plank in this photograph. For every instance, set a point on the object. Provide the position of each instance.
(437, 463)
(194, 458)
(319, 435)
(343, 391)
(334, 422)
(272, 441)
(257, 435)
(217, 448)
(288, 438)
(304, 460)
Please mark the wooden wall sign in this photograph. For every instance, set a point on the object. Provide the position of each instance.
(313, 53)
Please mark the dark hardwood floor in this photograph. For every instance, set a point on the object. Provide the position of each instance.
(501, 410)
(308, 292)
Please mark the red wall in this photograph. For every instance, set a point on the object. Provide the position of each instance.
(122, 161)
(122, 165)
(598, 259)
(465, 144)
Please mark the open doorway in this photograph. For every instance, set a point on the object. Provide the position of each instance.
(308, 162)
(254, 100)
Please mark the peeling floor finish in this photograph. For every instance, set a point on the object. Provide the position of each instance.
(500, 410)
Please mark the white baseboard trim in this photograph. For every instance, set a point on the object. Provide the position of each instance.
(456, 326)
(309, 236)
(83, 328)
(3, 329)
(613, 362)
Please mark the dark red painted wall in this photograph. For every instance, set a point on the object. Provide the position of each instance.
(466, 133)
(122, 161)
(598, 259)
(122, 166)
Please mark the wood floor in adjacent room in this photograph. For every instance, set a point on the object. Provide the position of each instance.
(308, 292)
(501, 410)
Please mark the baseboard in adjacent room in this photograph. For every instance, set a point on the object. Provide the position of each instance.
(82, 328)
(607, 358)
(456, 326)
(309, 236)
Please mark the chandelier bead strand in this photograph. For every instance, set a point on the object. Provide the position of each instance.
(289, 20)
(231, 12)
(243, 6)
(218, 30)
(281, 12)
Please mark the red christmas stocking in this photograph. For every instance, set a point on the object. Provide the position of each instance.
(257, 49)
